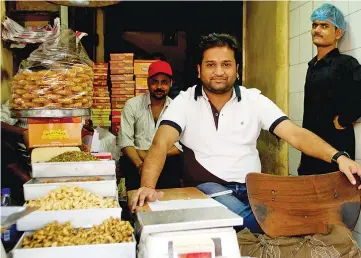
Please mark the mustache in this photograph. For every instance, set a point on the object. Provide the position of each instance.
(159, 91)
(219, 78)
(317, 34)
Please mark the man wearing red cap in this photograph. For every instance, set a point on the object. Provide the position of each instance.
(140, 120)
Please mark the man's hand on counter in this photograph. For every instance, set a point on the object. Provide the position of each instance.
(144, 194)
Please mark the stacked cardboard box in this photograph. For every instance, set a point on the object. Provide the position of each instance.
(100, 112)
(141, 74)
(122, 80)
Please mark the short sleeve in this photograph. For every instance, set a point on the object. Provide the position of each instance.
(270, 115)
(175, 115)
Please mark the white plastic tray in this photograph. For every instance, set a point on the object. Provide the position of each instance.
(79, 218)
(124, 250)
(34, 188)
(63, 169)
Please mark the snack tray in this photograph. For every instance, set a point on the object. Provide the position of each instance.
(84, 218)
(124, 250)
(35, 188)
(81, 168)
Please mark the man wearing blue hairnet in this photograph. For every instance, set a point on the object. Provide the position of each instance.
(332, 91)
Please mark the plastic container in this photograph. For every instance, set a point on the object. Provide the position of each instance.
(82, 168)
(84, 218)
(5, 197)
(11, 236)
(38, 187)
(124, 250)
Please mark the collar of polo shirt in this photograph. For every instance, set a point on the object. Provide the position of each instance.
(198, 92)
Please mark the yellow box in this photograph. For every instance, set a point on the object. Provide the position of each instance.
(141, 66)
(141, 82)
(54, 132)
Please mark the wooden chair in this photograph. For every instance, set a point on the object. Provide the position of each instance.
(303, 205)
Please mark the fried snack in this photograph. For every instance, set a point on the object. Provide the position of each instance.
(74, 156)
(71, 198)
(112, 230)
(75, 180)
(54, 88)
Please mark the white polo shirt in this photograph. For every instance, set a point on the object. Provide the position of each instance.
(228, 152)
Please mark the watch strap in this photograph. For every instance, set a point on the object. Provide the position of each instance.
(338, 154)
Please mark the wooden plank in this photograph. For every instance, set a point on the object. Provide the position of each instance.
(186, 193)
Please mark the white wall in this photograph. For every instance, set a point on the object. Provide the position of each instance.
(301, 52)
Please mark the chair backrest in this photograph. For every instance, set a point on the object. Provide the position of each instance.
(302, 205)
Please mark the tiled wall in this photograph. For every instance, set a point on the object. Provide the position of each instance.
(301, 52)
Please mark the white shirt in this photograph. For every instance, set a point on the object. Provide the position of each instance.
(137, 127)
(228, 152)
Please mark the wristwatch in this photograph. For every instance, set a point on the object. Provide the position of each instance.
(338, 154)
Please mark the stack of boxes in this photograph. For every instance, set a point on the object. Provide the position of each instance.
(123, 85)
(141, 74)
(121, 76)
(100, 111)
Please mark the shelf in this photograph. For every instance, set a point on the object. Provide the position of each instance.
(26, 113)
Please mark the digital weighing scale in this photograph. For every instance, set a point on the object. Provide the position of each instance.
(189, 233)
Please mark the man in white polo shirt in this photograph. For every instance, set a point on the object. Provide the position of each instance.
(218, 123)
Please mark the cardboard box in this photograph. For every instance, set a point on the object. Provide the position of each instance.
(97, 88)
(101, 71)
(28, 5)
(54, 132)
(100, 116)
(101, 94)
(118, 101)
(117, 106)
(116, 120)
(101, 100)
(141, 87)
(100, 77)
(141, 81)
(141, 92)
(121, 56)
(120, 98)
(103, 123)
(36, 23)
(100, 111)
(141, 66)
(116, 112)
(123, 84)
(125, 70)
(100, 83)
(101, 105)
(103, 114)
(100, 66)
(121, 91)
(115, 126)
(122, 77)
(121, 64)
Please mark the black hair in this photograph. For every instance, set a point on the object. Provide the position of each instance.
(218, 40)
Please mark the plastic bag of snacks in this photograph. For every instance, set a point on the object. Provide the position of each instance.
(57, 75)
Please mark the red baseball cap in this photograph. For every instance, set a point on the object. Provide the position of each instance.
(159, 67)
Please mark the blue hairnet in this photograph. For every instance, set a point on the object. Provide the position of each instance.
(329, 12)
